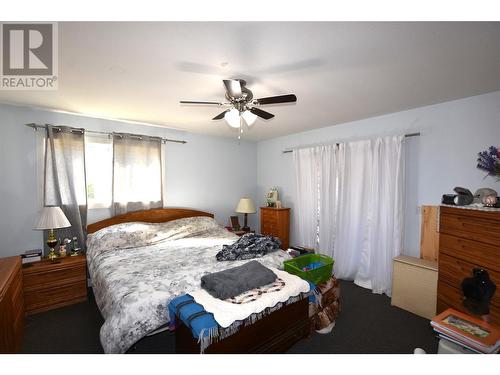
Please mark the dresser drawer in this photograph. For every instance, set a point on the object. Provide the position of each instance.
(53, 297)
(270, 220)
(47, 278)
(18, 295)
(452, 271)
(452, 297)
(472, 251)
(267, 228)
(470, 227)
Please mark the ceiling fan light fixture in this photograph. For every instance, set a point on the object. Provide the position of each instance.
(242, 109)
(232, 118)
(249, 117)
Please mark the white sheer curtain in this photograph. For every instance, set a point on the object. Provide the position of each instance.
(328, 173)
(316, 178)
(370, 222)
(355, 177)
(306, 188)
(137, 173)
(350, 206)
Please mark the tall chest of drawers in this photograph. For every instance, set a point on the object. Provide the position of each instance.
(468, 239)
(11, 305)
(276, 222)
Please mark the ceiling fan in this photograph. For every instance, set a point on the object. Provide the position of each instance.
(243, 109)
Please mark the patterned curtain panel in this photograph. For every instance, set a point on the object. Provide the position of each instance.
(65, 184)
(137, 173)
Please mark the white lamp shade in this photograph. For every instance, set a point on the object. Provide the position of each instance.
(232, 117)
(245, 206)
(249, 117)
(51, 218)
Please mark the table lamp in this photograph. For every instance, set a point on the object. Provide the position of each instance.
(51, 218)
(245, 206)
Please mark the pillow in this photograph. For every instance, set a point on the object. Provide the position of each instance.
(137, 234)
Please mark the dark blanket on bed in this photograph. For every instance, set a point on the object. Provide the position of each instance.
(249, 246)
(234, 281)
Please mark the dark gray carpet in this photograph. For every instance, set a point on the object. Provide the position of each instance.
(367, 324)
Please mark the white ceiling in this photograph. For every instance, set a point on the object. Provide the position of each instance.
(339, 71)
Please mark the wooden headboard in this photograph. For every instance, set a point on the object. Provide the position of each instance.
(160, 215)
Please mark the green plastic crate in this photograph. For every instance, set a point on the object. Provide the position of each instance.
(315, 275)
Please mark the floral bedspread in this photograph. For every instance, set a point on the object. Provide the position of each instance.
(137, 268)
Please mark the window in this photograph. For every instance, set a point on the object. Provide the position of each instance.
(123, 173)
(137, 176)
(99, 170)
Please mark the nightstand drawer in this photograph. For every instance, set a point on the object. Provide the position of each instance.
(54, 297)
(42, 280)
(48, 285)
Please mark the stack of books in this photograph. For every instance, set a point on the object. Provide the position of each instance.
(31, 256)
(469, 332)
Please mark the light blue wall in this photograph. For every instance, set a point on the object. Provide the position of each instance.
(211, 174)
(444, 156)
(207, 173)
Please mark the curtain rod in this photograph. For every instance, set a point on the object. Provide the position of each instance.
(164, 140)
(406, 136)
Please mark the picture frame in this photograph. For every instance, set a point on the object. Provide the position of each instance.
(235, 222)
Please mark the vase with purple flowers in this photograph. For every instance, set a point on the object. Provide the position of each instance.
(489, 161)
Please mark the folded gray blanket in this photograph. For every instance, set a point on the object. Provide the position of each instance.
(234, 281)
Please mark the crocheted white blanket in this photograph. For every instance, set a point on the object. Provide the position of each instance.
(226, 313)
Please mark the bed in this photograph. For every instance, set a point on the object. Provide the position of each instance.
(140, 261)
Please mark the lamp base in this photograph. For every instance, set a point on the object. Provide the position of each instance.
(51, 243)
(245, 226)
(52, 256)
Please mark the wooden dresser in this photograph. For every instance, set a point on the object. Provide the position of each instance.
(11, 305)
(468, 239)
(50, 285)
(276, 222)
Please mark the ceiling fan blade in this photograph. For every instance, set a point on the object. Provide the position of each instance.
(220, 115)
(198, 102)
(259, 112)
(233, 88)
(290, 98)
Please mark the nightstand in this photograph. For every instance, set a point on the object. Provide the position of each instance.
(49, 285)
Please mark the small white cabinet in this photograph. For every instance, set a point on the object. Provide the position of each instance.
(414, 285)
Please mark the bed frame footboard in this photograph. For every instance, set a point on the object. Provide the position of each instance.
(275, 333)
